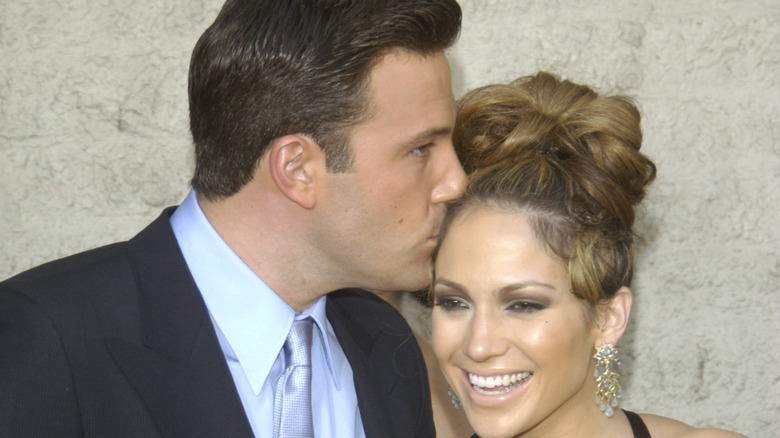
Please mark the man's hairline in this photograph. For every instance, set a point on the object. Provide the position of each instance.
(368, 109)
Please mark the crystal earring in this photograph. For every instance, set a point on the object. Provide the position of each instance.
(454, 399)
(607, 385)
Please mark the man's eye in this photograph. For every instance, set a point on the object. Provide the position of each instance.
(422, 150)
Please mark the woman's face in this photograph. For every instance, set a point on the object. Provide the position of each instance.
(512, 340)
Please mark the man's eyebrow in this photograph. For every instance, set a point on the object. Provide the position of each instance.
(428, 134)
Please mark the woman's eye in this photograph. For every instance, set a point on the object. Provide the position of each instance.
(450, 304)
(525, 307)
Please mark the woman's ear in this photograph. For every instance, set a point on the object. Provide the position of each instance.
(293, 162)
(614, 317)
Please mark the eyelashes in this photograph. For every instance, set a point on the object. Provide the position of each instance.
(451, 304)
(455, 304)
(526, 307)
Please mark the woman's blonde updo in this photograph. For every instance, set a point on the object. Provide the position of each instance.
(567, 158)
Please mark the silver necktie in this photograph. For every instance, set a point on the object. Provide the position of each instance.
(292, 403)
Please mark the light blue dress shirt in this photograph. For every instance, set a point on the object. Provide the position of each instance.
(252, 323)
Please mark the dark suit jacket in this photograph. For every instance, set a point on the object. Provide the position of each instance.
(117, 342)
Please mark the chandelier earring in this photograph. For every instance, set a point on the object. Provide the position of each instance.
(454, 399)
(608, 389)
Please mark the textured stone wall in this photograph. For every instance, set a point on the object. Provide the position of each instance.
(94, 142)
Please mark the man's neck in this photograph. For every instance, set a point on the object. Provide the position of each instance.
(259, 236)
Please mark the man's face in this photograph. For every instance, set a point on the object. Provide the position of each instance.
(380, 221)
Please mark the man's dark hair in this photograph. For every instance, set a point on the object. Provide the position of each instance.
(269, 68)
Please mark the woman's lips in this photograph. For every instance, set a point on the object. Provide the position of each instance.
(497, 384)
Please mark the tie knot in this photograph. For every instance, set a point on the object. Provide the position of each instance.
(292, 401)
(297, 348)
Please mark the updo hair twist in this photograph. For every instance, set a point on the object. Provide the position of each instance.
(567, 158)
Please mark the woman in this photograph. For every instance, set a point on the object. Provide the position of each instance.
(531, 279)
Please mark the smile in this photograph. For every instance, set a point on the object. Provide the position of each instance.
(496, 385)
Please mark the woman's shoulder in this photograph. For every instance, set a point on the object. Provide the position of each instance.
(663, 427)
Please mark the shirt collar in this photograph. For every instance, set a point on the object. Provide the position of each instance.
(252, 318)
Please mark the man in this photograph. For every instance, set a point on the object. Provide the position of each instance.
(323, 162)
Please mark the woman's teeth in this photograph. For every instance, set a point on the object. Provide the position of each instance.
(497, 384)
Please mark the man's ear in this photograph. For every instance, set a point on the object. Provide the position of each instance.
(293, 161)
(614, 316)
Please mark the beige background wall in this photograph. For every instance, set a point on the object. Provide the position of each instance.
(94, 142)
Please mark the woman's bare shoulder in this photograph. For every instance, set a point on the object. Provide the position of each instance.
(663, 427)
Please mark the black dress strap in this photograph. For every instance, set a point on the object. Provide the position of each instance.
(637, 425)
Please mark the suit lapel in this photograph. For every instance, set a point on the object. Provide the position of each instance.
(180, 370)
(371, 390)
